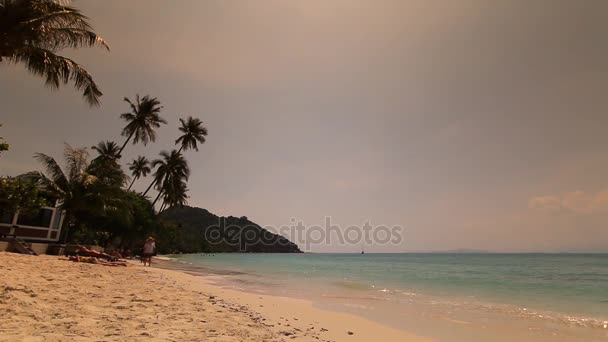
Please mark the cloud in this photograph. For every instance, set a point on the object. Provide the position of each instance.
(577, 202)
(545, 203)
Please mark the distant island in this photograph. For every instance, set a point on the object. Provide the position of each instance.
(230, 234)
(463, 251)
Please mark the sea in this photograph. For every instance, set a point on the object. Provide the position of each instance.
(457, 296)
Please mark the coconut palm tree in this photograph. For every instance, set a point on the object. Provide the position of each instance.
(82, 193)
(174, 194)
(194, 132)
(169, 169)
(105, 166)
(107, 150)
(33, 31)
(143, 119)
(139, 167)
(71, 187)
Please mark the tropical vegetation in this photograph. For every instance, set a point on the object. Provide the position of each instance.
(20, 194)
(98, 206)
(96, 193)
(32, 32)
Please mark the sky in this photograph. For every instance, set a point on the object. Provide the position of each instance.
(471, 124)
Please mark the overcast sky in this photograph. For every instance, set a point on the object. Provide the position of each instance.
(473, 124)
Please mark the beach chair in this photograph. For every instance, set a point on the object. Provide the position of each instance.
(21, 246)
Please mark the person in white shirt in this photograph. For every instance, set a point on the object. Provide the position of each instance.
(148, 252)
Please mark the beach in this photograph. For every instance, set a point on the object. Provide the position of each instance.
(47, 298)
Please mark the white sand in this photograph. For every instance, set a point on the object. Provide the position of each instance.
(43, 298)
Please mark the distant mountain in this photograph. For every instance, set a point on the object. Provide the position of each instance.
(206, 232)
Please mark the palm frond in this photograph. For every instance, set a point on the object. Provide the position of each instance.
(47, 185)
(52, 169)
(61, 38)
(133, 107)
(58, 70)
(76, 161)
(32, 31)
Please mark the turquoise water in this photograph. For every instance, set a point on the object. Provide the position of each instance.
(570, 284)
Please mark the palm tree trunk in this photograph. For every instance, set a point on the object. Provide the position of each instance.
(162, 207)
(126, 142)
(180, 149)
(160, 192)
(133, 181)
(150, 186)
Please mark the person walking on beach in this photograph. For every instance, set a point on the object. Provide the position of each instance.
(148, 251)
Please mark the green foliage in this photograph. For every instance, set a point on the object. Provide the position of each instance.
(86, 191)
(33, 31)
(20, 194)
(130, 223)
(99, 211)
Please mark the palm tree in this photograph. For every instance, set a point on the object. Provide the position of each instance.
(74, 187)
(139, 167)
(194, 132)
(84, 195)
(169, 169)
(33, 31)
(174, 194)
(105, 166)
(107, 150)
(143, 119)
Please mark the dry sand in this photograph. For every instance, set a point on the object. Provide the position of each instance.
(44, 298)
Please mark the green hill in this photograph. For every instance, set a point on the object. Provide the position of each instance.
(200, 231)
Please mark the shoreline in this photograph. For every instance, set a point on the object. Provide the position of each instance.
(45, 298)
(450, 317)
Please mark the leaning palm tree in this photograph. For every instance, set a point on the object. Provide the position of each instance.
(194, 132)
(174, 194)
(143, 119)
(33, 31)
(171, 167)
(139, 167)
